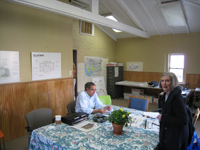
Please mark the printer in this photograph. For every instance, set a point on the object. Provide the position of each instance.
(74, 118)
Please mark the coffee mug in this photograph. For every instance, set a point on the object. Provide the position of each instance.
(58, 119)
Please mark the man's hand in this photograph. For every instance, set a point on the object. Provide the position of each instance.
(102, 111)
(109, 108)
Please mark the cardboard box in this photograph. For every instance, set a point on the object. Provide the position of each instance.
(150, 98)
(155, 100)
(137, 92)
(117, 64)
(126, 95)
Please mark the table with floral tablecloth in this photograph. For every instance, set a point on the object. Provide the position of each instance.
(63, 137)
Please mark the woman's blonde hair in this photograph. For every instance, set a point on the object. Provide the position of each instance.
(173, 79)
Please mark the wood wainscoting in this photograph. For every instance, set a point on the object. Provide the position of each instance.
(192, 79)
(142, 76)
(17, 99)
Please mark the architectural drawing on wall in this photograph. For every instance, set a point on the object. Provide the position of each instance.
(9, 66)
(134, 66)
(93, 66)
(100, 86)
(46, 65)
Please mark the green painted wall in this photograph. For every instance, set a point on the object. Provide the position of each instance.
(27, 30)
(152, 51)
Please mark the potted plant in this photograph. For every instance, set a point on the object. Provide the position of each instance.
(119, 118)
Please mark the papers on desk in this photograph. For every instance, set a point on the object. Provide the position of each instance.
(86, 126)
(136, 120)
(197, 89)
(152, 125)
(151, 114)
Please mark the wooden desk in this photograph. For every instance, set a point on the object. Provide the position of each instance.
(140, 85)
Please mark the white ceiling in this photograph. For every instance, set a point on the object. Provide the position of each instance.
(143, 18)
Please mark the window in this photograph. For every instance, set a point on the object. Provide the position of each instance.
(176, 65)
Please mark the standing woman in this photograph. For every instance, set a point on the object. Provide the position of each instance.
(174, 130)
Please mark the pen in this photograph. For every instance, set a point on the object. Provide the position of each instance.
(145, 124)
(155, 124)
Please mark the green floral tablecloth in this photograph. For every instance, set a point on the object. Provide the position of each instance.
(63, 137)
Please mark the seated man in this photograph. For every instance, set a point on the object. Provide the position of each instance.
(88, 99)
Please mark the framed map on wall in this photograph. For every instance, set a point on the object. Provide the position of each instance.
(93, 66)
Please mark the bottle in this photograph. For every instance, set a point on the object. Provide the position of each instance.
(187, 86)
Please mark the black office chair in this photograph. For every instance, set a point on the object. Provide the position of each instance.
(196, 104)
(38, 118)
(189, 98)
(71, 107)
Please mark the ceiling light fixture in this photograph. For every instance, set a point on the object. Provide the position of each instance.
(113, 18)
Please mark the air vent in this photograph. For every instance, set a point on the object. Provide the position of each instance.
(86, 28)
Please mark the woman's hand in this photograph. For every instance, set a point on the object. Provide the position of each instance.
(159, 117)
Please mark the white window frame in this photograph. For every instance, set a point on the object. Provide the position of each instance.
(167, 65)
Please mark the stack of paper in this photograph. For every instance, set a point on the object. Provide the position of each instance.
(152, 124)
(136, 120)
(151, 114)
(86, 126)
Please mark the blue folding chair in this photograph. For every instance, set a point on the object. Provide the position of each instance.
(139, 103)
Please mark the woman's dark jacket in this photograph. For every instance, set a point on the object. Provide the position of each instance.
(174, 130)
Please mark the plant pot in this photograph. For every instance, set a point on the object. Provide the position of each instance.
(118, 129)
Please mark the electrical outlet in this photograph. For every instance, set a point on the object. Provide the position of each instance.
(70, 72)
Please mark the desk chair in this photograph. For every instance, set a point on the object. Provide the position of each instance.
(196, 116)
(189, 98)
(2, 137)
(38, 118)
(105, 99)
(139, 103)
(71, 107)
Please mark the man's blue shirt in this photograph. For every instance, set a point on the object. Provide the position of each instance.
(86, 104)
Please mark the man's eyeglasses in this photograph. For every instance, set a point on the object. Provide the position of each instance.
(93, 89)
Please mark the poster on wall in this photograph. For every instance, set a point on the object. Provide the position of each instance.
(45, 65)
(9, 66)
(134, 66)
(81, 75)
(100, 86)
(93, 66)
